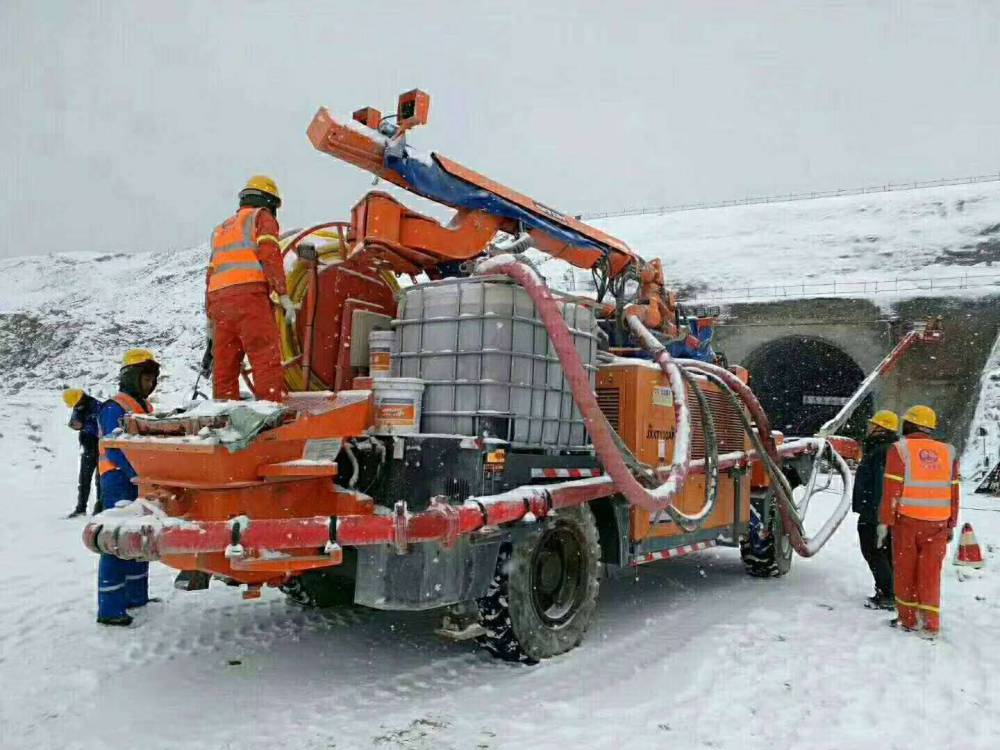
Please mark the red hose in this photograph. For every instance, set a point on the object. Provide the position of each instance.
(746, 395)
(749, 399)
(597, 425)
(132, 539)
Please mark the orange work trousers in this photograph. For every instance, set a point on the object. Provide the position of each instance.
(918, 549)
(243, 322)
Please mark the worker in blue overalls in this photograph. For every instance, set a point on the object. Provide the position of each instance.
(84, 420)
(123, 584)
(697, 344)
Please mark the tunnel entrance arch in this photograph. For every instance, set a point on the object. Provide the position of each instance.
(802, 381)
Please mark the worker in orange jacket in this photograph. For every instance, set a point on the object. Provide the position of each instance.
(245, 269)
(920, 502)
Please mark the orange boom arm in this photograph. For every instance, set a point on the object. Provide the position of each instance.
(386, 232)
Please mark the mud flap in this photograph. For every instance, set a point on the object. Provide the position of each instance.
(426, 577)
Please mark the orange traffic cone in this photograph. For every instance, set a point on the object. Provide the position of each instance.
(969, 553)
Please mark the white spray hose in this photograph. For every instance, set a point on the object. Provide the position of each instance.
(814, 543)
(769, 453)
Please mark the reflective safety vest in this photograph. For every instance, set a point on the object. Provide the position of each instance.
(234, 252)
(926, 479)
(130, 405)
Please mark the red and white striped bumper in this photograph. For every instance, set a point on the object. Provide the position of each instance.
(667, 554)
(565, 473)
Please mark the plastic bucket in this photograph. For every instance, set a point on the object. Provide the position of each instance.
(397, 405)
(379, 353)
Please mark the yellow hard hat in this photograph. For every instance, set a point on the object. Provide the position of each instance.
(887, 419)
(137, 357)
(72, 396)
(263, 184)
(922, 416)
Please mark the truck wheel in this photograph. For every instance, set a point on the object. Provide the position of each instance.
(317, 588)
(766, 552)
(544, 593)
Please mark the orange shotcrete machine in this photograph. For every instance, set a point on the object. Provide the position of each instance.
(477, 443)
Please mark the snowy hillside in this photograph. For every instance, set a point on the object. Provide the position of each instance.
(803, 247)
(66, 318)
(982, 452)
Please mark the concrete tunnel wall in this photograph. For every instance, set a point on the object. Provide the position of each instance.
(763, 336)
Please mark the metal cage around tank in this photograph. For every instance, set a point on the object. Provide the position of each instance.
(487, 362)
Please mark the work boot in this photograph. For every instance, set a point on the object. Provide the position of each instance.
(895, 623)
(76, 513)
(880, 601)
(150, 600)
(928, 635)
(123, 621)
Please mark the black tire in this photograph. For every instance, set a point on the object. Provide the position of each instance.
(766, 551)
(544, 593)
(318, 588)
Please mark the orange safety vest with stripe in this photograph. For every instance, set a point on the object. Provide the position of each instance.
(927, 469)
(130, 405)
(234, 252)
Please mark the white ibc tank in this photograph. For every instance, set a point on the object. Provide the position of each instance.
(486, 361)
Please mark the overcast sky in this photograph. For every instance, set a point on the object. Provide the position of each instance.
(131, 126)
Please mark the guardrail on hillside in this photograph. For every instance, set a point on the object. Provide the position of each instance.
(864, 288)
(789, 197)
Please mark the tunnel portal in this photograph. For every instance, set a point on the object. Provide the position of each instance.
(803, 381)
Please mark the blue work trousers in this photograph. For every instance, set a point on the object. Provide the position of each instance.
(120, 583)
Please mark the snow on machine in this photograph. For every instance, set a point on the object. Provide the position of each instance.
(480, 443)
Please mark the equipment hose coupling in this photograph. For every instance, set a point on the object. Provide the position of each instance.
(514, 245)
(90, 533)
(332, 547)
(440, 504)
(237, 526)
(547, 497)
(399, 519)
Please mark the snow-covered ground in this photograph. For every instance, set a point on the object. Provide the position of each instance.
(689, 653)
